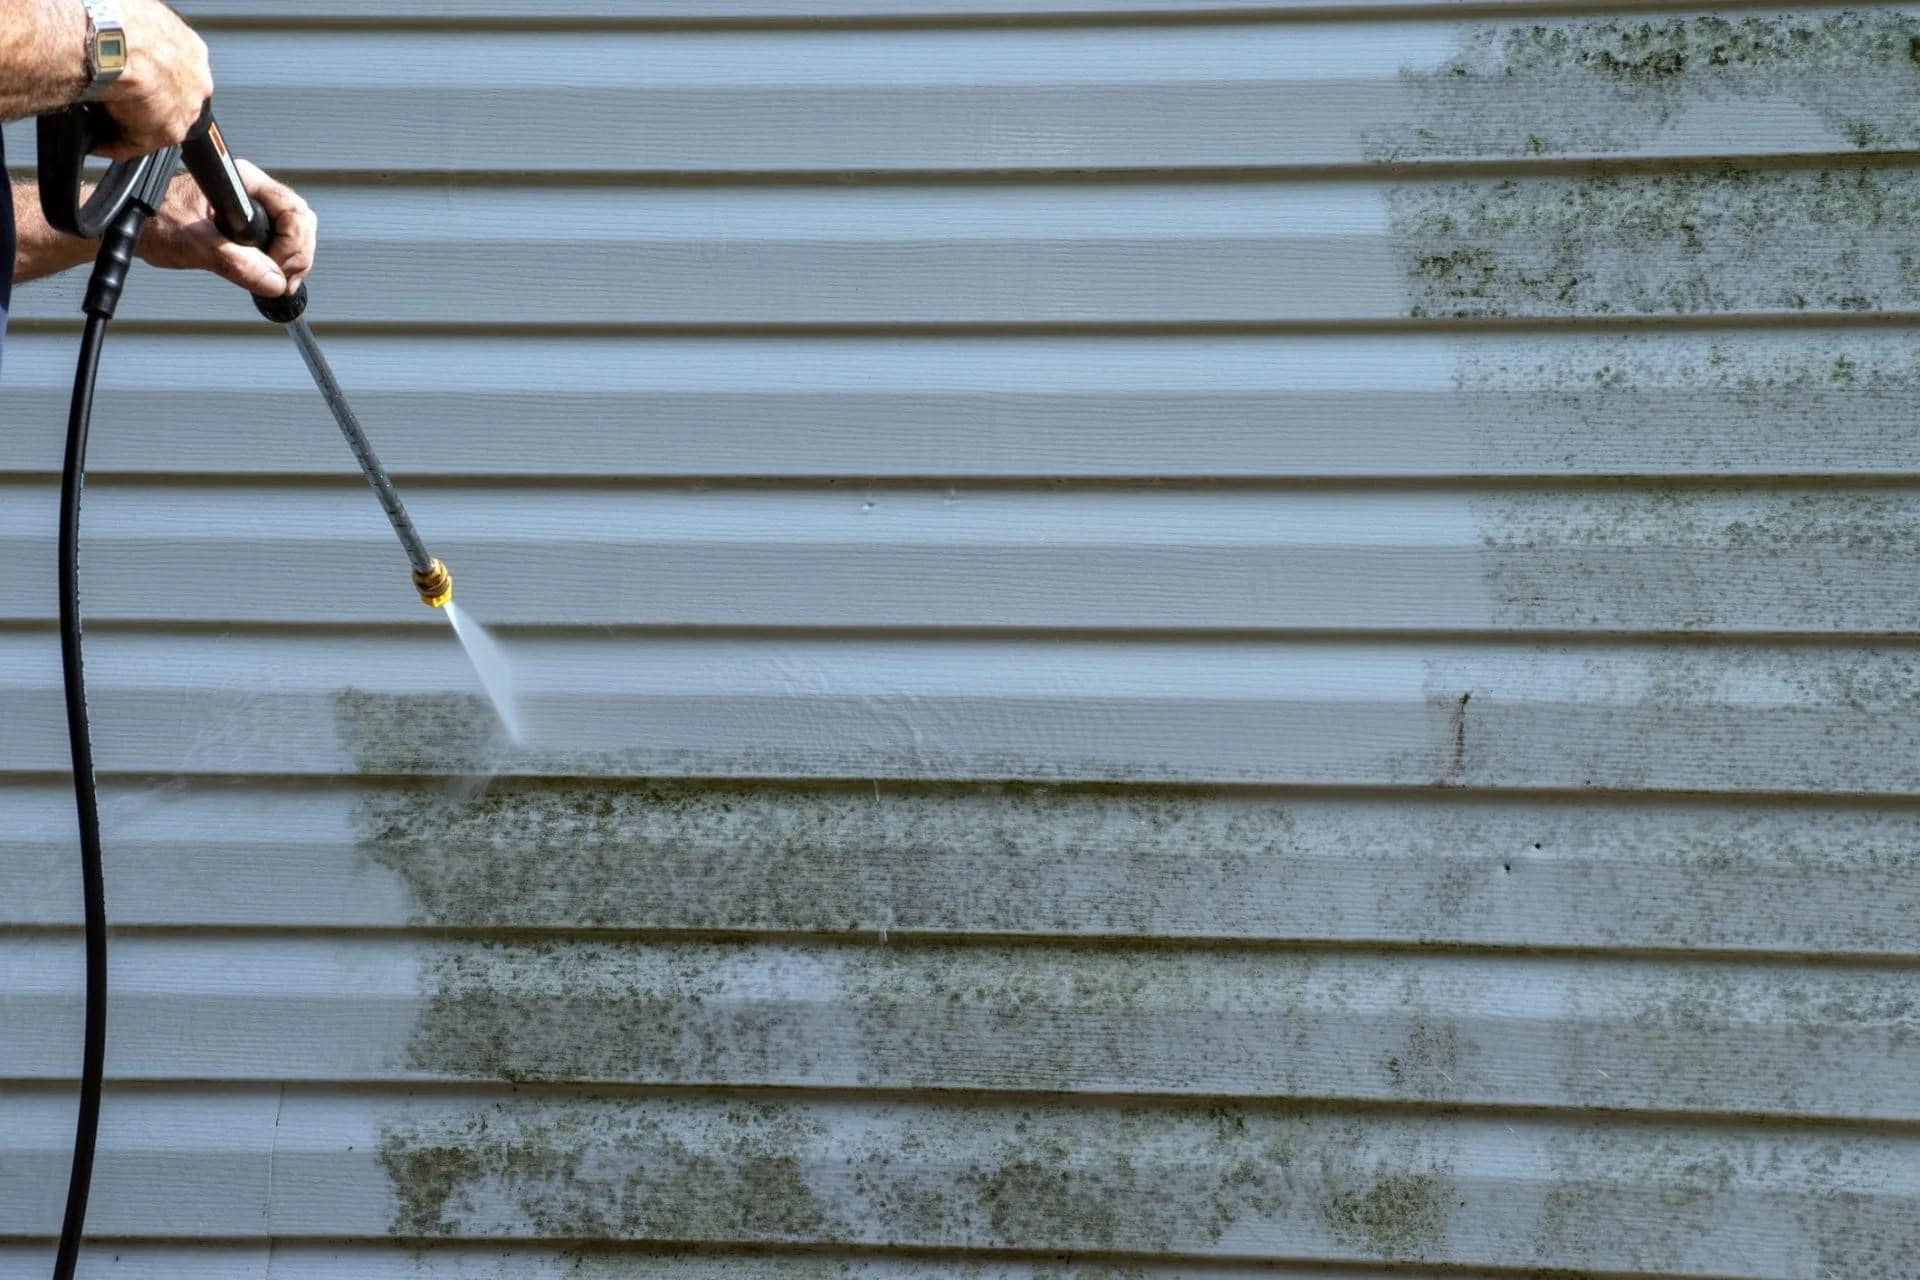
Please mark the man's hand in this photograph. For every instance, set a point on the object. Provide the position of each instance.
(182, 235)
(165, 86)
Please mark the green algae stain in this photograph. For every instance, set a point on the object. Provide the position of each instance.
(1079, 1019)
(869, 857)
(1428, 1065)
(429, 1178)
(583, 1011)
(1679, 1193)
(1760, 558)
(1091, 862)
(1622, 85)
(1716, 242)
(1398, 1216)
(617, 1262)
(1619, 1196)
(1050, 1178)
(699, 1171)
(418, 733)
(915, 1016)
(598, 1170)
(1028, 1197)
(1816, 400)
(459, 736)
(830, 858)
(1132, 1179)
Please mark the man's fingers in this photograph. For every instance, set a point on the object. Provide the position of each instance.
(145, 128)
(295, 227)
(295, 232)
(183, 235)
(247, 267)
(294, 244)
(131, 144)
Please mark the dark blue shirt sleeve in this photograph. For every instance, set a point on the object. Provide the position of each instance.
(6, 246)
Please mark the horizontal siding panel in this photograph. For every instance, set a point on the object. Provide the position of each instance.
(303, 1260)
(1688, 718)
(864, 859)
(1131, 97)
(1043, 253)
(1764, 560)
(248, 12)
(203, 1161)
(1724, 243)
(119, 1261)
(1321, 1184)
(1808, 401)
(1571, 1033)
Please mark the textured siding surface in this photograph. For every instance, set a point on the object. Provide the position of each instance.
(1161, 639)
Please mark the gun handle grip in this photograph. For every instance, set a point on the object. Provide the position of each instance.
(211, 164)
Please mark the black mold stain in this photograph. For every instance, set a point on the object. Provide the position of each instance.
(1169, 1178)
(602, 1171)
(1619, 1196)
(617, 1262)
(1106, 861)
(1428, 1065)
(890, 1017)
(1691, 718)
(1820, 401)
(1052, 1186)
(1711, 1038)
(1696, 243)
(579, 1011)
(1679, 1194)
(1835, 560)
(458, 735)
(1788, 1035)
(1617, 85)
(419, 733)
(1395, 1216)
(858, 858)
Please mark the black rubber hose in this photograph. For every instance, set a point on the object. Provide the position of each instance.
(93, 879)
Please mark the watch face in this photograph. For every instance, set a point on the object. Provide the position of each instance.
(111, 51)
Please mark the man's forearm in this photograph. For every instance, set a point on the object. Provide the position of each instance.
(41, 250)
(42, 66)
(43, 57)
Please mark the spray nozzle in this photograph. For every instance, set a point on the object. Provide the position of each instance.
(434, 583)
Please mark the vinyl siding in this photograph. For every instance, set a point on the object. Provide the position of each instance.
(1159, 640)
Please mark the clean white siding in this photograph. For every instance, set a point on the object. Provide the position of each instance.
(1161, 639)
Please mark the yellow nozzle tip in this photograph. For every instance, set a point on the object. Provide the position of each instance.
(435, 584)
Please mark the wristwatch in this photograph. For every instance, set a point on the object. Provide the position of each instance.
(106, 49)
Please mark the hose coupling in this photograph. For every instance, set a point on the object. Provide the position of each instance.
(434, 583)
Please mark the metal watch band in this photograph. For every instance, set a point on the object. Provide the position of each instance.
(102, 22)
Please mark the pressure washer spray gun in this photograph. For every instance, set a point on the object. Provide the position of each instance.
(124, 198)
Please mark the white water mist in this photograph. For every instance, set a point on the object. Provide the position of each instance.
(496, 677)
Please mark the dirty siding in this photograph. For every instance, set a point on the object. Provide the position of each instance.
(1161, 639)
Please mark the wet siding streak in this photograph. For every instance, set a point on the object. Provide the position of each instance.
(1161, 641)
